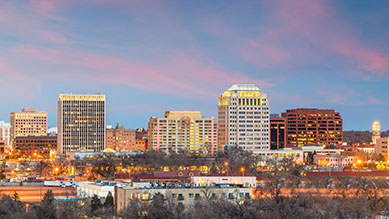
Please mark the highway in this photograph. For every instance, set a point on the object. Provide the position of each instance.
(35, 194)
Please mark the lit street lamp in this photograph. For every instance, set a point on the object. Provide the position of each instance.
(242, 169)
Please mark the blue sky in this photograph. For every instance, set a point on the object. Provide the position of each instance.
(153, 56)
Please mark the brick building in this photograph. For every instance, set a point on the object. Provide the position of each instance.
(120, 139)
(310, 127)
(35, 146)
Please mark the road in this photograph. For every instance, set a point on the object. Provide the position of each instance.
(35, 194)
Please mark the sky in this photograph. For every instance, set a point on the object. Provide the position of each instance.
(152, 56)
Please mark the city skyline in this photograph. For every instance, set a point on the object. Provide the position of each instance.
(154, 57)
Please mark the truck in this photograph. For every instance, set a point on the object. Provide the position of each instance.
(52, 183)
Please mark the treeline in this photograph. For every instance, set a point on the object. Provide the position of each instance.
(13, 208)
(364, 137)
(363, 204)
(230, 161)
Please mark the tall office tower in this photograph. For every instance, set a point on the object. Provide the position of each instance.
(243, 118)
(312, 127)
(376, 134)
(183, 131)
(81, 123)
(120, 139)
(5, 132)
(277, 133)
(28, 122)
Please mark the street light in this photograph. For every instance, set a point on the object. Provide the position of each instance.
(329, 167)
(226, 166)
(242, 169)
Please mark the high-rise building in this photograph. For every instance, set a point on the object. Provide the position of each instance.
(243, 118)
(5, 132)
(183, 131)
(376, 132)
(120, 139)
(81, 123)
(277, 133)
(28, 122)
(312, 127)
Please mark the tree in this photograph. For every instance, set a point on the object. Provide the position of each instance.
(47, 208)
(48, 197)
(158, 209)
(108, 206)
(133, 210)
(16, 197)
(9, 208)
(96, 206)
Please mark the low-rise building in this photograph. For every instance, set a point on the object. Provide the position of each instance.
(101, 189)
(382, 147)
(296, 154)
(35, 146)
(181, 195)
(245, 181)
(366, 148)
(335, 160)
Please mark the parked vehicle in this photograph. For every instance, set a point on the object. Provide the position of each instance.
(52, 183)
(66, 184)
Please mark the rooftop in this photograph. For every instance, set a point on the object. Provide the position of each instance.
(244, 87)
(181, 114)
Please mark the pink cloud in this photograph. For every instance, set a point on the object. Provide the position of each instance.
(178, 75)
(303, 32)
(316, 22)
(30, 24)
(13, 81)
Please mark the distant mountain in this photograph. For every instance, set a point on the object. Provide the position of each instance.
(352, 137)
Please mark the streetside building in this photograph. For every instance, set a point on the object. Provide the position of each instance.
(243, 118)
(35, 146)
(28, 122)
(120, 139)
(81, 123)
(312, 127)
(183, 131)
(181, 195)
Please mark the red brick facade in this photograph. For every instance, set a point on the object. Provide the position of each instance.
(310, 127)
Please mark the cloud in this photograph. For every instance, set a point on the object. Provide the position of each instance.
(178, 74)
(14, 82)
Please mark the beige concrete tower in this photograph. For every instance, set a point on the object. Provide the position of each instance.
(376, 132)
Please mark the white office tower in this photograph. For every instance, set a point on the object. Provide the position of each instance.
(244, 118)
